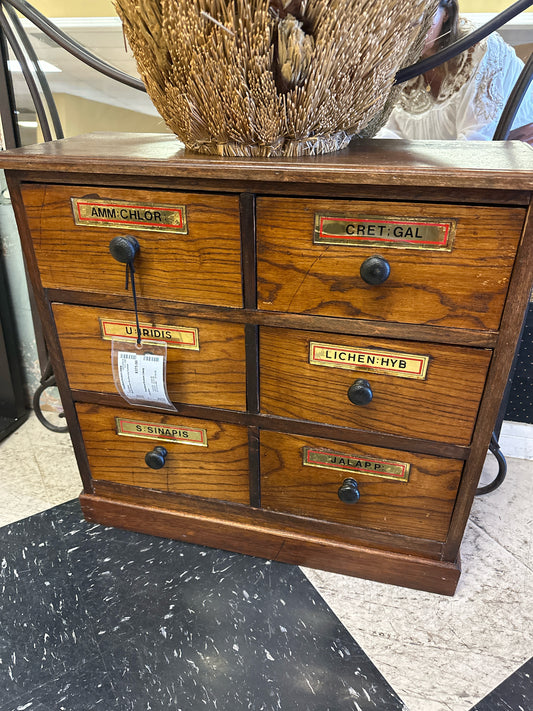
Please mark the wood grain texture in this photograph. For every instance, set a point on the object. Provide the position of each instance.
(213, 376)
(284, 424)
(435, 334)
(218, 471)
(179, 181)
(442, 407)
(297, 549)
(513, 316)
(506, 165)
(464, 288)
(249, 278)
(255, 474)
(252, 367)
(50, 335)
(455, 299)
(420, 507)
(203, 266)
(276, 520)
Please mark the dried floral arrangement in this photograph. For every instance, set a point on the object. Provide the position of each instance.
(272, 77)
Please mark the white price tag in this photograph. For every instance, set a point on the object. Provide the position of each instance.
(142, 377)
(140, 373)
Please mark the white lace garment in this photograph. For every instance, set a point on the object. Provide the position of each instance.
(471, 98)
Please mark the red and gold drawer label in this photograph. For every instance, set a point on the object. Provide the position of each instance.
(174, 336)
(376, 231)
(402, 365)
(161, 431)
(354, 464)
(135, 216)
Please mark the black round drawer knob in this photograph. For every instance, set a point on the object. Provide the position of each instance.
(123, 248)
(156, 458)
(349, 491)
(360, 393)
(375, 270)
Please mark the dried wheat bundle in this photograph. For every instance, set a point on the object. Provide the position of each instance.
(271, 77)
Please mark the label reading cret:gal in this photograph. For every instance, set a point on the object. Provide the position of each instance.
(385, 231)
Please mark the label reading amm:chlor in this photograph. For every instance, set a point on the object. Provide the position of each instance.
(117, 214)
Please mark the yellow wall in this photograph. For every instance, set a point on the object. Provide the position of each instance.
(75, 8)
(486, 5)
(84, 116)
(104, 8)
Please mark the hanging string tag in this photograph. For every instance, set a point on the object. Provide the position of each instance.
(139, 367)
(130, 274)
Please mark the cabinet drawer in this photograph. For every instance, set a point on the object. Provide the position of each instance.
(216, 469)
(442, 405)
(463, 285)
(214, 375)
(202, 266)
(420, 506)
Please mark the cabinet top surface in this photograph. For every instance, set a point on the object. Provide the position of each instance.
(482, 164)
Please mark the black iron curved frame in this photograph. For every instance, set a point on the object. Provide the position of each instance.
(494, 448)
(81, 53)
(25, 54)
(48, 380)
(509, 112)
(70, 45)
(464, 43)
(18, 51)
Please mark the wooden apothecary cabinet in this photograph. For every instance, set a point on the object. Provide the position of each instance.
(355, 315)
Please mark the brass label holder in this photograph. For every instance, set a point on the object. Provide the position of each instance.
(401, 365)
(385, 231)
(173, 336)
(354, 464)
(120, 214)
(161, 432)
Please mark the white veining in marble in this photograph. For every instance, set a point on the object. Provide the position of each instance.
(38, 470)
(516, 439)
(438, 653)
(445, 654)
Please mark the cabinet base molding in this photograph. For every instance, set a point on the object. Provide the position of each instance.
(268, 542)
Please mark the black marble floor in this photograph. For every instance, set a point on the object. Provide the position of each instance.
(98, 618)
(515, 694)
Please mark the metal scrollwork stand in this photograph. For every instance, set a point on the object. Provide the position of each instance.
(13, 32)
(48, 380)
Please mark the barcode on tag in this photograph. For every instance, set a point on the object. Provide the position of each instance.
(142, 377)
